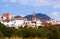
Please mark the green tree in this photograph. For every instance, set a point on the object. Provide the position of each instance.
(54, 33)
(5, 30)
(25, 32)
(32, 31)
(43, 31)
(1, 34)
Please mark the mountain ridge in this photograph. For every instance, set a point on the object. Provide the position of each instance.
(39, 16)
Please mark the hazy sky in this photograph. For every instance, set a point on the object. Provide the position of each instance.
(25, 7)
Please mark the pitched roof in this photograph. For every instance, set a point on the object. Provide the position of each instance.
(6, 14)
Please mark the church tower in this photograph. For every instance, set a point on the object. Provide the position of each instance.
(33, 17)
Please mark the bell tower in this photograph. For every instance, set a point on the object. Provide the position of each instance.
(33, 17)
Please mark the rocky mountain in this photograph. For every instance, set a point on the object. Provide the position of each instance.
(39, 16)
(17, 16)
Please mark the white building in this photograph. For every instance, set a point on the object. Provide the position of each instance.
(19, 23)
(38, 23)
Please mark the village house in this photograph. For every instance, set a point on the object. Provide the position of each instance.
(6, 17)
(18, 21)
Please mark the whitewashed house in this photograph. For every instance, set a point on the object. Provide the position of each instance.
(38, 23)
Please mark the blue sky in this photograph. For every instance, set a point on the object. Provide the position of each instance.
(25, 7)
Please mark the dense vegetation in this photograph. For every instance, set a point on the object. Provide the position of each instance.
(51, 32)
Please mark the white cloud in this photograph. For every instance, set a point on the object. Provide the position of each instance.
(37, 2)
(22, 15)
(4, 0)
(25, 2)
(56, 6)
(13, 0)
(40, 3)
(56, 15)
(18, 15)
(34, 2)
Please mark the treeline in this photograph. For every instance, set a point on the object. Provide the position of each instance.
(51, 32)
